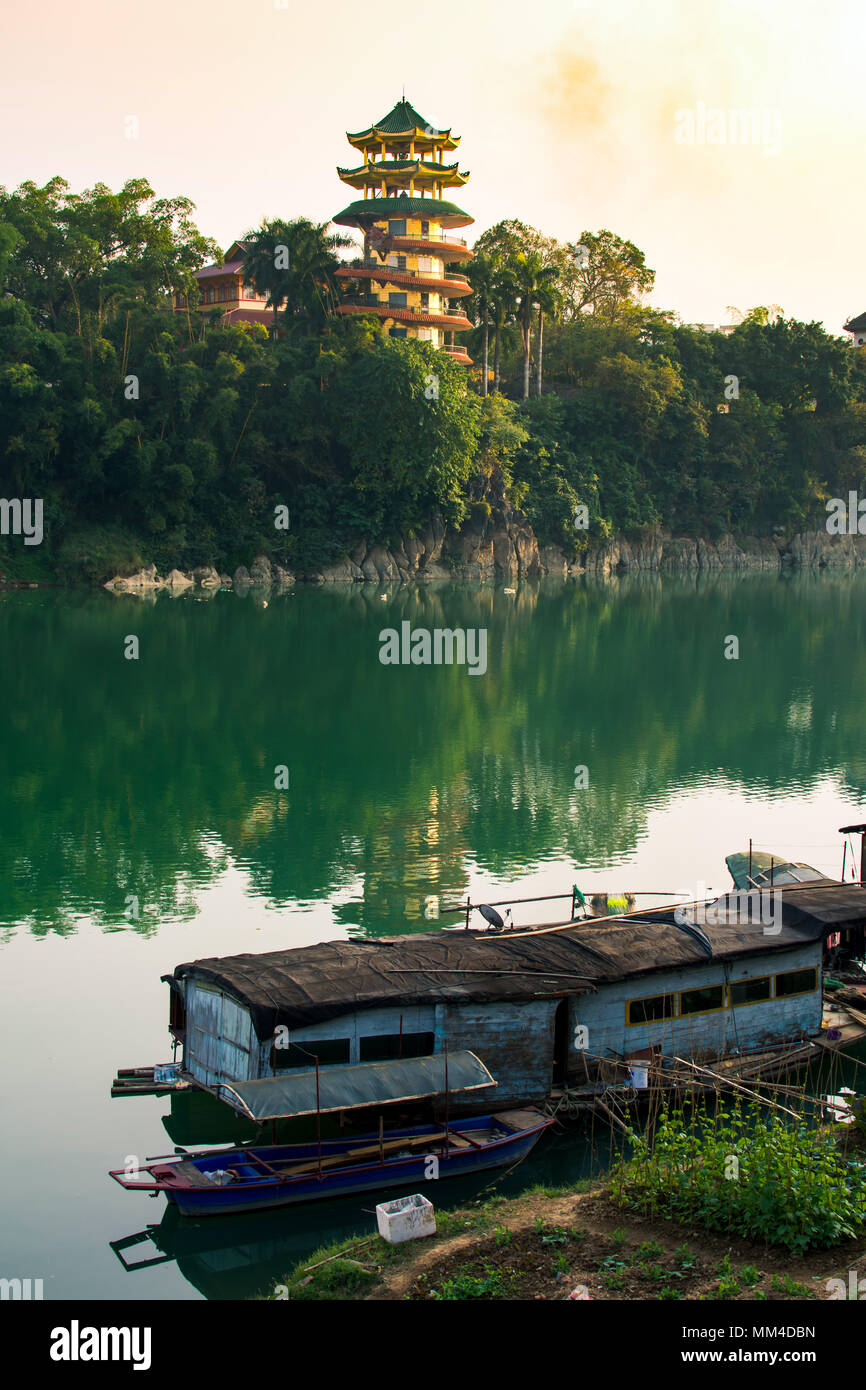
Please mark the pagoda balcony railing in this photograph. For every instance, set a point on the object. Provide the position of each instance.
(371, 301)
(425, 236)
(361, 264)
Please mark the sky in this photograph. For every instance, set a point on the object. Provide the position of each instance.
(724, 137)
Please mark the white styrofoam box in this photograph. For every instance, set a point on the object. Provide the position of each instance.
(407, 1218)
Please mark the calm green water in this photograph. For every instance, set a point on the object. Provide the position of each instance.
(140, 826)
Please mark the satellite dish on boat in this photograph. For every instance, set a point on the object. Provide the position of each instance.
(491, 916)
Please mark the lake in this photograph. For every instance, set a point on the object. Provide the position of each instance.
(258, 778)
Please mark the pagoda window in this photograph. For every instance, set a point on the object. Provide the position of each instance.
(425, 228)
(397, 227)
(426, 334)
(425, 263)
(397, 298)
(401, 262)
(397, 333)
(425, 301)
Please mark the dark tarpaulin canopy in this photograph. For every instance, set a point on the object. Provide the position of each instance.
(311, 984)
(351, 1088)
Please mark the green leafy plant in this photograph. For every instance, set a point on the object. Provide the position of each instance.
(789, 1185)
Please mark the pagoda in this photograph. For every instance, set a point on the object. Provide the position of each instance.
(404, 276)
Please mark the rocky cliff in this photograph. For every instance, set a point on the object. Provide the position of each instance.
(500, 544)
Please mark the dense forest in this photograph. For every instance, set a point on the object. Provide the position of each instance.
(154, 436)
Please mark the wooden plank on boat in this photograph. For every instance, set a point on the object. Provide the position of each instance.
(295, 1168)
(518, 1119)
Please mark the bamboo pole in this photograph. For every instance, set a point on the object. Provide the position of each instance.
(724, 1081)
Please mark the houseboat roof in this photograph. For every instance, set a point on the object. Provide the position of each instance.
(310, 984)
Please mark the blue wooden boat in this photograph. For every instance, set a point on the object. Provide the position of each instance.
(251, 1178)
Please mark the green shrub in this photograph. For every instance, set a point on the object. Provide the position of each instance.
(762, 1178)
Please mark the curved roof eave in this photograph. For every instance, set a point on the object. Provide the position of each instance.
(380, 209)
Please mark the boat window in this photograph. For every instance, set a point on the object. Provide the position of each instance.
(702, 1001)
(645, 1010)
(331, 1052)
(796, 982)
(386, 1046)
(750, 991)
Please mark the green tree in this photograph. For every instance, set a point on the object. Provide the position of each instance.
(414, 456)
(536, 285)
(81, 256)
(604, 275)
(294, 265)
(482, 275)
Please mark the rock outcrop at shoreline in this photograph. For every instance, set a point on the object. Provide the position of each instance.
(504, 546)
(508, 549)
(261, 575)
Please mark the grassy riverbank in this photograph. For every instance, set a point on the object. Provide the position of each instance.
(705, 1207)
(551, 1242)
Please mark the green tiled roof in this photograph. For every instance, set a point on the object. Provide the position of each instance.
(402, 117)
(396, 166)
(375, 209)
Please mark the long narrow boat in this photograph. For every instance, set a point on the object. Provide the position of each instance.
(246, 1179)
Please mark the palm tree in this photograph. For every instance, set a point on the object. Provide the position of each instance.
(534, 281)
(294, 264)
(266, 265)
(482, 276)
(548, 300)
(504, 313)
(314, 289)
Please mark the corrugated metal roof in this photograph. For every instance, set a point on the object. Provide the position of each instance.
(352, 1088)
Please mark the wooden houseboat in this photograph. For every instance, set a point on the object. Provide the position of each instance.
(576, 1006)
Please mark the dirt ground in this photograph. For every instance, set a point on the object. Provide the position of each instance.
(547, 1247)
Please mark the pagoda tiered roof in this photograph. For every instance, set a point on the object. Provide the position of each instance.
(404, 152)
(402, 171)
(401, 205)
(403, 122)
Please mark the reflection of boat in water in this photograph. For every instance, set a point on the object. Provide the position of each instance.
(197, 1118)
(240, 1255)
(247, 1253)
(251, 1178)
